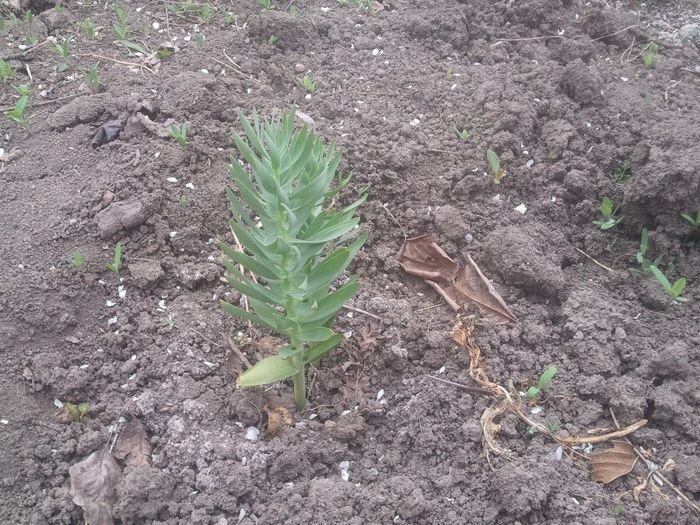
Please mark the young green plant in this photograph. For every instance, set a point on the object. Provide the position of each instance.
(116, 263)
(308, 83)
(606, 210)
(644, 263)
(650, 55)
(542, 382)
(77, 260)
(179, 133)
(465, 134)
(295, 245)
(694, 221)
(675, 290)
(17, 114)
(495, 165)
(5, 71)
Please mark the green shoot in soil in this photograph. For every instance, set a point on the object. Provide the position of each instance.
(28, 17)
(77, 259)
(651, 55)
(17, 113)
(308, 83)
(117, 261)
(88, 28)
(606, 210)
(465, 134)
(93, 79)
(495, 165)
(295, 247)
(5, 71)
(675, 290)
(77, 412)
(622, 172)
(63, 49)
(641, 255)
(272, 40)
(206, 13)
(542, 383)
(179, 133)
(449, 75)
(693, 221)
(265, 4)
(184, 201)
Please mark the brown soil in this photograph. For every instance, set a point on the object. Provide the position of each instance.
(392, 87)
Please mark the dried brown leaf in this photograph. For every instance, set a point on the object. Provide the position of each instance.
(133, 446)
(639, 488)
(613, 463)
(92, 486)
(460, 287)
(279, 419)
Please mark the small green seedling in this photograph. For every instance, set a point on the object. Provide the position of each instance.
(622, 172)
(206, 13)
(88, 28)
(179, 133)
(675, 290)
(465, 134)
(76, 412)
(184, 201)
(606, 210)
(542, 383)
(28, 17)
(63, 49)
(294, 243)
(93, 79)
(265, 4)
(308, 83)
(122, 15)
(650, 56)
(272, 40)
(17, 114)
(449, 75)
(6, 71)
(199, 39)
(77, 260)
(693, 221)
(495, 165)
(116, 263)
(641, 255)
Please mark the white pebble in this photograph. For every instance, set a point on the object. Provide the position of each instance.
(559, 453)
(375, 52)
(189, 185)
(380, 394)
(111, 321)
(344, 470)
(171, 179)
(521, 209)
(252, 433)
(155, 25)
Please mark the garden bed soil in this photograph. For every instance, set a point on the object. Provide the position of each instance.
(557, 88)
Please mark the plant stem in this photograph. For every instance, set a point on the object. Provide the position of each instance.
(300, 381)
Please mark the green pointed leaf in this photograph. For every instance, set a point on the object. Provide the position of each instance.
(547, 376)
(255, 266)
(660, 277)
(287, 351)
(494, 161)
(244, 285)
(606, 207)
(240, 312)
(266, 371)
(329, 305)
(332, 266)
(678, 287)
(318, 350)
(314, 333)
(330, 233)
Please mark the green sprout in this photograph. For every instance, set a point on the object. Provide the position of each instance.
(641, 254)
(650, 55)
(206, 13)
(294, 243)
(199, 39)
(77, 259)
(622, 172)
(230, 18)
(693, 221)
(272, 40)
(450, 73)
(184, 201)
(93, 79)
(179, 133)
(265, 4)
(6, 71)
(495, 165)
(28, 17)
(465, 134)
(308, 83)
(17, 114)
(88, 28)
(77, 412)
(606, 210)
(63, 49)
(122, 15)
(542, 383)
(117, 261)
(675, 290)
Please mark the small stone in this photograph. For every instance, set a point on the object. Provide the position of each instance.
(191, 275)
(108, 197)
(299, 67)
(122, 215)
(146, 274)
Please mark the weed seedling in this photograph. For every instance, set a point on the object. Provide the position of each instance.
(465, 134)
(650, 56)
(184, 201)
(93, 79)
(675, 290)
(77, 260)
(495, 165)
(606, 210)
(117, 261)
(542, 382)
(449, 75)
(308, 83)
(693, 221)
(5, 71)
(28, 17)
(206, 13)
(265, 4)
(272, 40)
(179, 133)
(199, 39)
(88, 28)
(622, 172)
(76, 412)
(641, 255)
(294, 246)
(63, 49)
(17, 114)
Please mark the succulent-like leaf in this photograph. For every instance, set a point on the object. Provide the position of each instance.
(268, 370)
(318, 350)
(240, 312)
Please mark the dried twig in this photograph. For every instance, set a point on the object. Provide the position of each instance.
(460, 385)
(361, 311)
(237, 351)
(384, 207)
(130, 64)
(238, 70)
(593, 260)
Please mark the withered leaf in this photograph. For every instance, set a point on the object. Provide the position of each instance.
(133, 446)
(107, 132)
(459, 286)
(279, 419)
(92, 486)
(610, 464)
